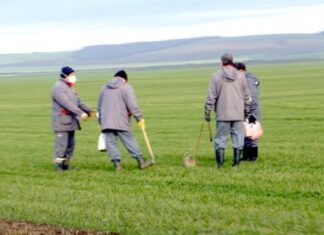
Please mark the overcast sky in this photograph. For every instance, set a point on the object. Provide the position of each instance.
(40, 25)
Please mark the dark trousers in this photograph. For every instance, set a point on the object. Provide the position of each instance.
(251, 143)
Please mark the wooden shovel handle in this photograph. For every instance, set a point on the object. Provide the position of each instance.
(198, 141)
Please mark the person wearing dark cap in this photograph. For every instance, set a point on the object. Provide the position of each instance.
(116, 105)
(228, 94)
(67, 110)
(250, 150)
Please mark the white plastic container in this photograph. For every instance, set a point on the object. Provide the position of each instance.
(253, 131)
(101, 143)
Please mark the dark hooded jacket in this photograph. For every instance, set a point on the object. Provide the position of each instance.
(253, 83)
(116, 104)
(228, 94)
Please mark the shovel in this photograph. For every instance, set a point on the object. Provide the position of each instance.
(148, 145)
(188, 160)
(210, 133)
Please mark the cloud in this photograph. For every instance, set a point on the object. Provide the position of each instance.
(248, 12)
(77, 34)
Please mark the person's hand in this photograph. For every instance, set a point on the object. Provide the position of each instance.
(207, 117)
(252, 118)
(141, 124)
(93, 115)
(84, 117)
(246, 116)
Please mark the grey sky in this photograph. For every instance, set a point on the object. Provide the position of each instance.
(43, 24)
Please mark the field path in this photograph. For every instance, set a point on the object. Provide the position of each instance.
(11, 227)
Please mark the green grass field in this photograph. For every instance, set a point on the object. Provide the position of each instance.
(282, 193)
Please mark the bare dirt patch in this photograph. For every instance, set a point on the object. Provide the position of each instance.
(11, 227)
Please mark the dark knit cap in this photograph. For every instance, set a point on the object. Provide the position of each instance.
(227, 59)
(66, 71)
(121, 74)
(240, 66)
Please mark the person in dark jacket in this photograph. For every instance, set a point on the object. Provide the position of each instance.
(67, 110)
(250, 150)
(116, 105)
(229, 96)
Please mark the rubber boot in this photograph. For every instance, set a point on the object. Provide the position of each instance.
(117, 165)
(237, 156)
(254, 154)
(65, 164)
(220, 157)
(143, 164)
(59, 167)
(59, 163)
(246, 154)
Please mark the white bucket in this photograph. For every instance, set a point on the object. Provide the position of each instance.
(101, 143)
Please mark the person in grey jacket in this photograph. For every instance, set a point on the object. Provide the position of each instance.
(67, 110)
(116, 105)
(229, 96)
(250, 150)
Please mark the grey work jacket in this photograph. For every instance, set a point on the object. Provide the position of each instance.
(67, 107)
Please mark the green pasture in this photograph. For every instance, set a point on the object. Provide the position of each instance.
(281, 193)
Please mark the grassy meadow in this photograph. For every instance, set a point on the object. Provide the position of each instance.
(281, 193)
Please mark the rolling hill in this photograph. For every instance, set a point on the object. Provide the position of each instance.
(264, 48)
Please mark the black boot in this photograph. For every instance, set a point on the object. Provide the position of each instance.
(59, 167)
(59, 164)
(65, 164)
(246, 154)
(220, 157)
(254, 154)
(237, 156)
(144, 164)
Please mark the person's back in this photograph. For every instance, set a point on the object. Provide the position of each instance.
(231, 94)
(116, 104)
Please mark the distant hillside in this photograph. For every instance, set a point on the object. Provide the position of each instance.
(265, 48)
(205, 49)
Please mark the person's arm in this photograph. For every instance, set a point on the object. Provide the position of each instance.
(60, 96)
(84, 107)
(254, 108)
(247, 97)
(131, 104)
(99, 106)
(211, 98)
(253, 111)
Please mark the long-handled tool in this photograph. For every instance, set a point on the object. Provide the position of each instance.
(148, 145)
(190, 161)
(210, 133)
